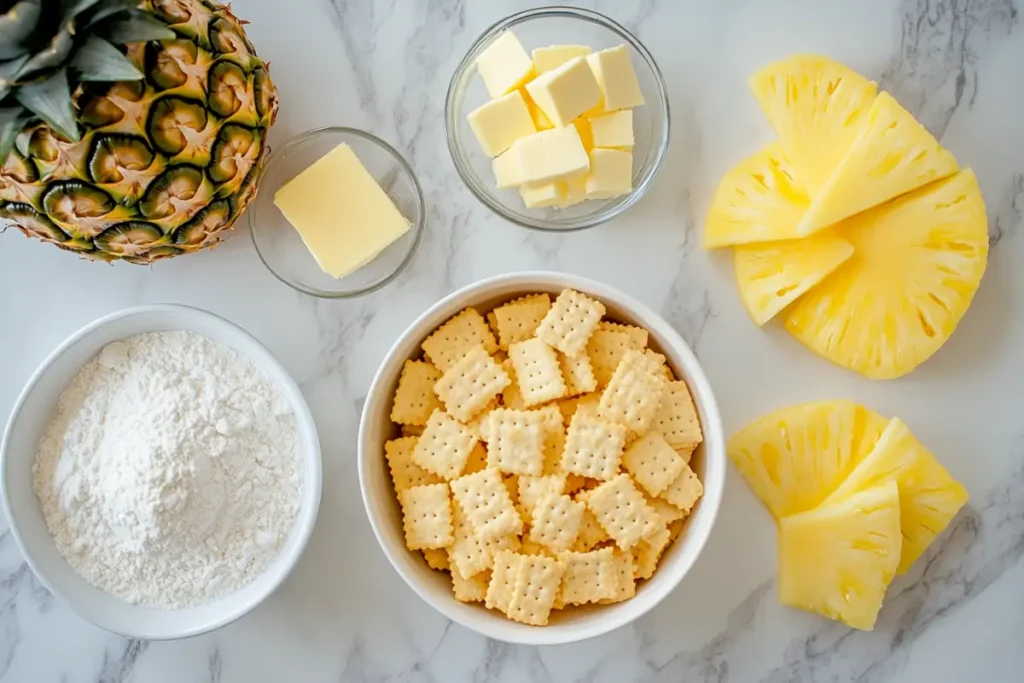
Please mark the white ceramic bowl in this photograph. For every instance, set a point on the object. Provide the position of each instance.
(434, 587)
(29, 419)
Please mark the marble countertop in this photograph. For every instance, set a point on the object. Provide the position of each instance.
(345, 615)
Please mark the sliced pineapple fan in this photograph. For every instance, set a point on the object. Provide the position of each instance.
(857, 500)
(856, 225)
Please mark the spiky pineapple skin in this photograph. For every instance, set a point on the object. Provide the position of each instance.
(125, 191)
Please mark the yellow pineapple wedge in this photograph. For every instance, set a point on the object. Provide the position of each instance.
(929, 496)
(891, 155)
(816, 106)
(917, 263)
(838, 559)
(795, 457)
(759, 200)
(772, 275)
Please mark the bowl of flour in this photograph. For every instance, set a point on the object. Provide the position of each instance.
(161, 472)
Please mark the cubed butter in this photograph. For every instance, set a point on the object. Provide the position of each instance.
(586, 135)
(614, 71)
(566, 92)
(554, 56)
(614, 130)
(574, 191)
(500, 122)
(611, 174)
(340, 211)
(544, 194)
(507, 170)
(551, 155)
(540, 120)
(504, 65)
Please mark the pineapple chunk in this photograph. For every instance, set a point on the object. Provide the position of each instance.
(759, 200)
(891, 155)
(795, 457)
(771, 276)
(838, 560)
(929, 496)
(918, 262)
(816, 106)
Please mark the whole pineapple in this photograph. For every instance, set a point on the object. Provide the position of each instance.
(129, 130)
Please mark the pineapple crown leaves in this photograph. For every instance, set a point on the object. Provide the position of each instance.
(47, 47)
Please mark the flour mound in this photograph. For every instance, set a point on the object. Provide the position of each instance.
(169, 476)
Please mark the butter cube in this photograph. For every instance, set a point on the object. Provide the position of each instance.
(615, 75)
(551, 155)
(554, 56)
(566, 92)
(504, 65)
(500, 122)
(508, 172)
(340, 211)
(586, 134)
(574, 191)
(545, 194)
(613, 130)
(540, 120)
(611, 174)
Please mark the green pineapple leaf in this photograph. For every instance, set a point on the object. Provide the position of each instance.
(50, 100)
(16, 25)
(52, 56)
(12, 119)
(98, 60)
(133, 27)
(9, 72)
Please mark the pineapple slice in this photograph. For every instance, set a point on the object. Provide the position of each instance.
(929, 496)
(816, 106)
(759, 200)
(918, 262)
(795, 457)
(891, 155)
(771, 276)
(837, 560)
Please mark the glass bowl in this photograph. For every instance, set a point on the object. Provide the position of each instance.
(281, 248)
(538, 28)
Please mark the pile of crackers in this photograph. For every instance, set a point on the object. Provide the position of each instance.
(544, 456)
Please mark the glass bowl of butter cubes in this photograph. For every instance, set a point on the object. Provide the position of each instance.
(340, 213)
(557, 118)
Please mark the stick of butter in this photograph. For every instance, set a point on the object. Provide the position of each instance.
(340, 211)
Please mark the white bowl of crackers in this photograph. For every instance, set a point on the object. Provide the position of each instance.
(541, 458)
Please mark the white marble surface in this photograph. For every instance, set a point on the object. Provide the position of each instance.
(344, 615)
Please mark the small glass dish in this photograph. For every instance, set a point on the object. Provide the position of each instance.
(552, 26)
(281, 248)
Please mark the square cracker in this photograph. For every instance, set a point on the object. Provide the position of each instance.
(621, 509)
(591, 533)
(537, 371)
(457, 336)
(468, 554)
(677, 417)
(556, 521)
(605, 350)
(518, 320)
(626, 583)
(578, 373)
(570, 322)
(633, 395)
(533, 489)
(426, 516)
(512, 396)
(503, 579)
(648, 551)
(444, 446)
(473, 589)
(684, 491)
(415, 399)
(587, 402)
(554, 439)
(593, 447)
(469, 385)
(538, 579)
(589, 577)
(652, 462)
(436, 558)
(404, 472)
(485, 501)
(638, 336)
(666, 510)
(516, 441)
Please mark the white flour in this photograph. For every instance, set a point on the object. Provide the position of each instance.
(170, 475)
